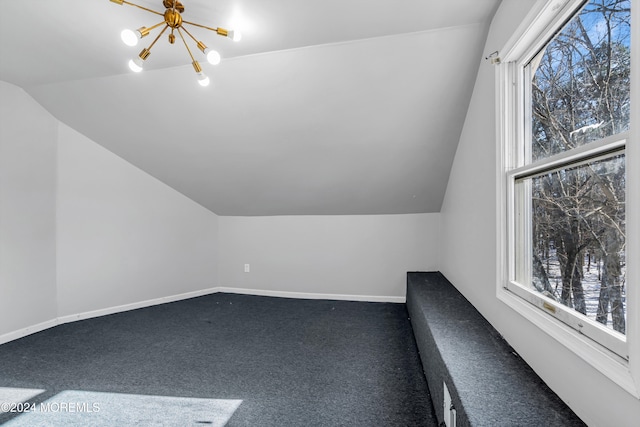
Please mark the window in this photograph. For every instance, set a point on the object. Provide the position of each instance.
(566, 114)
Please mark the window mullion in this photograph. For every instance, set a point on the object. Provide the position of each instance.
(583, 153)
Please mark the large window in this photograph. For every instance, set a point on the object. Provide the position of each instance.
(566, 185)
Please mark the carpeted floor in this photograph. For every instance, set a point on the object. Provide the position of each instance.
(266, 361)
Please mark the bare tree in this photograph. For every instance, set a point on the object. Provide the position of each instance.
(580, 93)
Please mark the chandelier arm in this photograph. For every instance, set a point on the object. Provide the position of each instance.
(157, 37)
(142, 7)
(216, 30)
(185, 43)
(155, 26)
(190, 35)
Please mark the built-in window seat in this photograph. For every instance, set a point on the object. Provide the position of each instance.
(487, 382)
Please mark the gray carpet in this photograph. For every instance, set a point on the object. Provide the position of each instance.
(236, 359)
(81, 409)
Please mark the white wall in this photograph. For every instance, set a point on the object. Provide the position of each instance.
(123, 236)
(469, 245)
(27, 211)
(82, 232)
(361, 255)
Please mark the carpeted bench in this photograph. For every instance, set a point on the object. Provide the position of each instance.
(487, 382)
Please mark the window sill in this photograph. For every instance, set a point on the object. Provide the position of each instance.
(606, 362)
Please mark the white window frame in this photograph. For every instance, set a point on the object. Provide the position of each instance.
(615, 355)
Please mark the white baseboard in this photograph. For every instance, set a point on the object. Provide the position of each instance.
(14, 335)
(310, 295)
(135, 305)
(102, 312)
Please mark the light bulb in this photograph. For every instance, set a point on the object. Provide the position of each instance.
(236, 36)
(136, 64)
(129, 37)
(212, 56)
(203, 80)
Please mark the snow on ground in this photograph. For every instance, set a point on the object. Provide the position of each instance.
(590, 284)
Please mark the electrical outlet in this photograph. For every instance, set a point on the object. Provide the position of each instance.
(247, 268)
(450, 413)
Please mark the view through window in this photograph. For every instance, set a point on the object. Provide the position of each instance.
(570, 188)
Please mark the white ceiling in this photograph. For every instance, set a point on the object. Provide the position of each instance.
(332, 107)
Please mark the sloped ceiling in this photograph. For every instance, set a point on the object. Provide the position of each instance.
(331, 107)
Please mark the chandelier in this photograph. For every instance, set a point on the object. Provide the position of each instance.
(172, 19)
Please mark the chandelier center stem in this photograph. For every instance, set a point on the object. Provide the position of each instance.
(173, 18)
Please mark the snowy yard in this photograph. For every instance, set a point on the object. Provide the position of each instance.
(590, 284)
